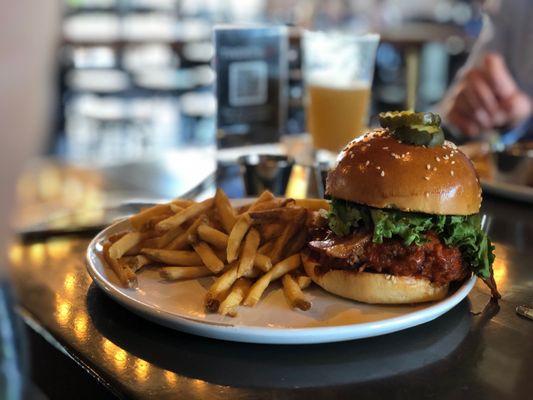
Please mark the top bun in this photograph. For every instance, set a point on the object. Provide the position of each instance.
(380, 171)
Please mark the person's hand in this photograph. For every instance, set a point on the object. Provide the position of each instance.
(486, 97)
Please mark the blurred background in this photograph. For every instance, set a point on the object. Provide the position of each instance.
(133, 78)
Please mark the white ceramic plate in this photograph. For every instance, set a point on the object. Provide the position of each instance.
(179, 305)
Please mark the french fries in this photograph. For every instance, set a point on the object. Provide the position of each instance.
(244, 249)
(188, 213)
(279, 245)
(249, 251)
(213, 236)
(237, 234)
(125, 275)
(303, 281)
(312, 204)
(262, 262)
(135, 263)
(266, 248)
(276, 214)
(126, 242)
(208, 256)
(297, 242)
(235, 297)
(294, 294)
(265, 196)
(225, 211)
(277, 271)
(181, 242)
(137, 221)
(172, 273)
(216, 292)
(163, 240)
(175, 208)
(173, 257)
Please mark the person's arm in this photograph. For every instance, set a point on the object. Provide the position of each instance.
(484, 94)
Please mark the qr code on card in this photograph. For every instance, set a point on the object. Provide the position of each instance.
(248, 83)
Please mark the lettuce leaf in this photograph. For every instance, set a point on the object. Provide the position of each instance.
(463, 232)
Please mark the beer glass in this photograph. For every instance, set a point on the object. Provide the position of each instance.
(338, 70)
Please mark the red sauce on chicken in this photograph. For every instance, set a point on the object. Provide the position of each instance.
(432, 260)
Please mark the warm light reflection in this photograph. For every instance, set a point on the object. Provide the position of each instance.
(80, 326)
(16, 253)
(118, 356)
(500, 265)
(171, 377)
(70, 282)
(142, 369)
(298, 182)
(63, 311)
(58, 248)
(199, 385)
(37, 254)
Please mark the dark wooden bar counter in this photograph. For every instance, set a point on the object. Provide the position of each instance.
(87, 346)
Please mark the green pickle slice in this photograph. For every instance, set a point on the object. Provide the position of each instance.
(396, 119)
(420, 135)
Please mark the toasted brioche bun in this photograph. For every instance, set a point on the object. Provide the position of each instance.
(379, 171)
(374, 288)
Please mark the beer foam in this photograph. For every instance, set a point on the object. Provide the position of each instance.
(316, 80)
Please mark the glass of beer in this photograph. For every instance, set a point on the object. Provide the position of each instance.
(338, 71)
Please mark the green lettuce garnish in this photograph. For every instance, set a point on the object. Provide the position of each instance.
(463, 232)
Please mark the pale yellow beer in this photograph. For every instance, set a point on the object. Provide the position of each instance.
(336, 115)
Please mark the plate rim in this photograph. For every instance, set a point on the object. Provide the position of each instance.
(267, 335)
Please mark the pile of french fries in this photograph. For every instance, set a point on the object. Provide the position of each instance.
(245, 249)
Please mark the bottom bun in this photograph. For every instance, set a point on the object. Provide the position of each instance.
(375, 288)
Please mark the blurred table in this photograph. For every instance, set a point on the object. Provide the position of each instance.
(84, 345)
(411, 37)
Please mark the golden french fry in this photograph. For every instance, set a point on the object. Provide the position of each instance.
(303, 281)
(270, 231)
(209, 258)
(175, 208)
(213, 236)
(150, 224)
(297, 242)
(179, 272)
(225, 211)
(266, 248)
(313, 204)
(279, 215)
(219, 288)
(135, 263)
(182, 241)
(163, 240)
(188, 213)
(249, 250)
(265, 196)
(237, 234)
(277, 271)
(183, 203)
(279, 245)
(262, 262)
(125, 243)
(294, 294)
(270, 204)
(234, 298)
(173, 257)
(125, 275)
(116, 236)
(137, 221)
(253, 273)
